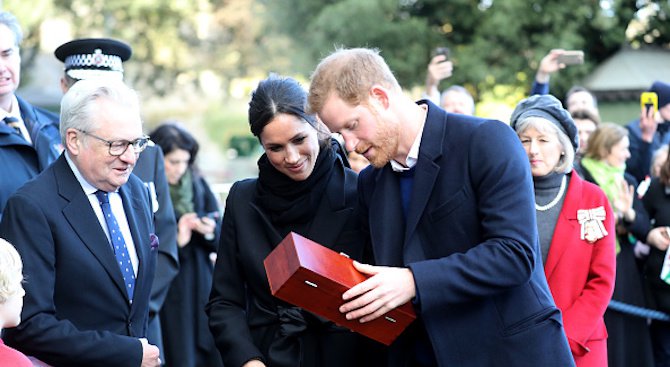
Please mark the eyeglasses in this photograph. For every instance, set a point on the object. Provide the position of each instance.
(118, 147)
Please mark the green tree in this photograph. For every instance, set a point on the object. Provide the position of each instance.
(492, 42)
(319, 27)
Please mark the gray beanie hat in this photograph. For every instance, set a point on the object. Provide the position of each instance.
(547, 107)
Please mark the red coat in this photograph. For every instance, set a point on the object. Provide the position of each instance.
(581, 274)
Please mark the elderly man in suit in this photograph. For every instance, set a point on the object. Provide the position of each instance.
(91, 58)
(448, 203)
(29, 139)
(84, 229)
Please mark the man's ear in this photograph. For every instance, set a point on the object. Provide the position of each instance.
(72, 141)
(380, 96)
(64, 87)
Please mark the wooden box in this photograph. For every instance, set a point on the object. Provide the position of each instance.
(314, 277)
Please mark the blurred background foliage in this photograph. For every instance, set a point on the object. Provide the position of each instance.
(201, 58)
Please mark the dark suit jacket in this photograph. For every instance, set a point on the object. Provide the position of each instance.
(23, 160)
(471, 242)
(150, 169)
(76, 310)
(243, 314)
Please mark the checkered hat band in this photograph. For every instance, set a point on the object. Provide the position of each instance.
(99, 61)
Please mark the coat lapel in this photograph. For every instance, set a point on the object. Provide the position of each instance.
(332, 213)
(84, 222)
(426, 174)
(270, 232)
(567, 224)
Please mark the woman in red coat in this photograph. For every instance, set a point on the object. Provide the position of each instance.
(575, 226)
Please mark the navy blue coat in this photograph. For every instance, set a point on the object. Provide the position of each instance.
(471, 242)
(18, 159)
(76, 310)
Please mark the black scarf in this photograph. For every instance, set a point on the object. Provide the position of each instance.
(290, 202)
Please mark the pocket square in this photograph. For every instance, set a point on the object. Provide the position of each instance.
(153, 240)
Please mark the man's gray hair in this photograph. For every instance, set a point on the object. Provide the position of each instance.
(76, 105)
(9, 20)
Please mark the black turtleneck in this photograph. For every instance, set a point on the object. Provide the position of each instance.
(546, 189)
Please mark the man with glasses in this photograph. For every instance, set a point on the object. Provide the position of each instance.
(90, 58)
(88, 247)
(29, 139)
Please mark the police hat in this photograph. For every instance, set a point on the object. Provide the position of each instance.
(93, 57)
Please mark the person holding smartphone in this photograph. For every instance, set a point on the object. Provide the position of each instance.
(186, 337)
(455, 99)
(649, 132)
(577, 97)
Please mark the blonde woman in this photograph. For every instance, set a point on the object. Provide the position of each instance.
(11, 301)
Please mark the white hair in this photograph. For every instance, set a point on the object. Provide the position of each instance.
(75, 107)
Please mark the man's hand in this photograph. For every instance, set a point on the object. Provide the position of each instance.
(150, 354)
(648, 124)
(549, 65)
(387, 289)
(438, 69)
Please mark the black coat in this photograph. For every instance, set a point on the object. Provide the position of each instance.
(151, 170)
(244, 317)
(186, 338)
(657, 203)
(628, 342)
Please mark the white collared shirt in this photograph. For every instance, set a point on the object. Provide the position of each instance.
(412, 155)
(15, 112)
(117, 208)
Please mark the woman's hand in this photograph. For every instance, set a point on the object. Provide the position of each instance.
(659, 237)
(186, 224)
(623, 204)
(205, 226)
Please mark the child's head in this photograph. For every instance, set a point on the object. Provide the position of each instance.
(11, 288)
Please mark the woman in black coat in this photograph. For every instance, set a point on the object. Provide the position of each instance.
(657, 203)
(628, 342)
(303, 186)
(187, 341)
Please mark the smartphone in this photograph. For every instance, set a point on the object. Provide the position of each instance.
(649, 100)
(444, 51)
(573, 57)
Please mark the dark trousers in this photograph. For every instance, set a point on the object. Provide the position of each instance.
(660, 339)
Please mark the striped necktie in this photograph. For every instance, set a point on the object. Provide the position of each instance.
(13, 122)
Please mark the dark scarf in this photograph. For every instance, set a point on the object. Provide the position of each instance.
(290, 202)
